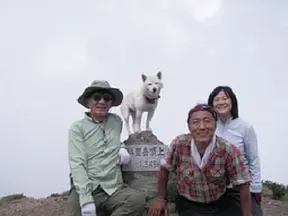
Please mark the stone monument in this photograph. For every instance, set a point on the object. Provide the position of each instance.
(142, 173)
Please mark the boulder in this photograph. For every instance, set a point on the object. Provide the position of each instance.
(142, 173)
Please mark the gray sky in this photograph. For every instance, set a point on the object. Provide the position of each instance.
(51, 50)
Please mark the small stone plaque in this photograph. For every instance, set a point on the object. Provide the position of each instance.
(145, 157)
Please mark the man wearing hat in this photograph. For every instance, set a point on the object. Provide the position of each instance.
(95, 157)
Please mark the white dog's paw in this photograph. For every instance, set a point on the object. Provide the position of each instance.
(149, 129)
(136, 129)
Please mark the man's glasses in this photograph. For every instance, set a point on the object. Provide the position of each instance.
(105, 96)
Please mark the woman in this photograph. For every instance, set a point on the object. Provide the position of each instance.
(203, 163)
(239, 132)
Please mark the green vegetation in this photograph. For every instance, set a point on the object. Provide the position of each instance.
(275, 190)
(63, 194)
(12, 197)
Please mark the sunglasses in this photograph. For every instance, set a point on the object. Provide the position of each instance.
(105, 96)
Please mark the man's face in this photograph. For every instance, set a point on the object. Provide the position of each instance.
(202, 126)
(100, 103)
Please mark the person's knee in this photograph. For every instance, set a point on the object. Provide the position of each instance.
(137, 200)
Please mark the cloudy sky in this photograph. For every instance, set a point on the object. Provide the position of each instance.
(51, 50)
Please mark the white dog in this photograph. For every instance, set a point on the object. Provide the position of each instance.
(142, 100)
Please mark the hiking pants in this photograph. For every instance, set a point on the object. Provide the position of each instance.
(125, 201)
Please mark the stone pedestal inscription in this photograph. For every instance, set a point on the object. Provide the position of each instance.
(142, 173)
(145, 157)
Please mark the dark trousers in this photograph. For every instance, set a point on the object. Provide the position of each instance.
(221, 207)
(234, 199)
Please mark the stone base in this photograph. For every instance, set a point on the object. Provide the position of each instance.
(146, 181)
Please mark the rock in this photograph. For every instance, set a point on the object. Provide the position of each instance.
(144, 137)
(142, 177)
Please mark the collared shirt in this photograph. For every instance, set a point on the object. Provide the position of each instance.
(201, 161)
(93, 155)
(242, 134)
(206, 184)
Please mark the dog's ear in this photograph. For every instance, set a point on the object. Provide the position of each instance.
(159, 75)
(144, 77)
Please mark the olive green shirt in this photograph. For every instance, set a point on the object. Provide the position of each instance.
(93, 149)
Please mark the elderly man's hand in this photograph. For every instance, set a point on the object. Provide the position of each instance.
(124, 156)
(158, 208)
(88, 210)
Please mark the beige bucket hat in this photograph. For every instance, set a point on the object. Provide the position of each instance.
(101, 85)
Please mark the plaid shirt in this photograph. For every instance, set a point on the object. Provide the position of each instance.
(205, 184)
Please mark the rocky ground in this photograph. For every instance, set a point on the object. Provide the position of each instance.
(54, 206)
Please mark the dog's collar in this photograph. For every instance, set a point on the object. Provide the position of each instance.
(151, 100)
